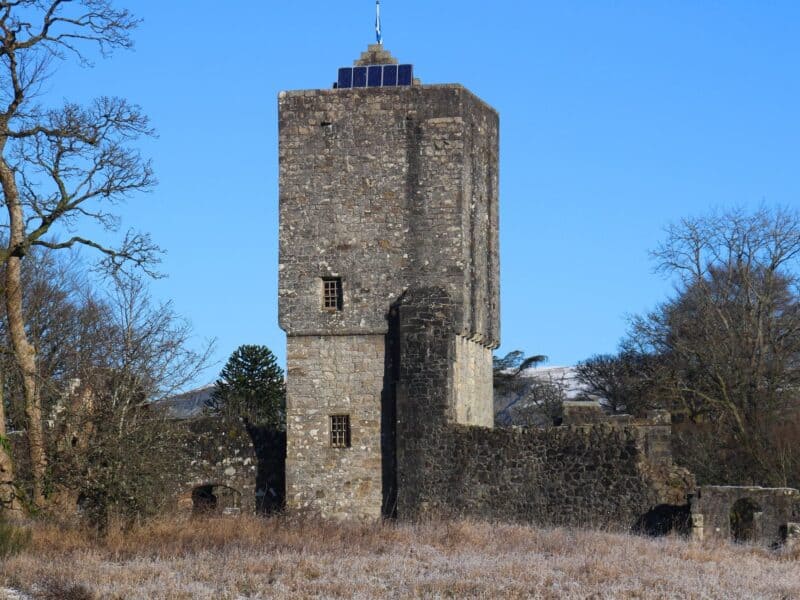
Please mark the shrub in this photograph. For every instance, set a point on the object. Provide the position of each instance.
(60, 589)
(13, 539)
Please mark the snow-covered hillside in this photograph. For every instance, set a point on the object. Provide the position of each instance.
(533, 398)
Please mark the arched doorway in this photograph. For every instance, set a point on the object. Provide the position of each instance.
(215, 499)
(745, 518)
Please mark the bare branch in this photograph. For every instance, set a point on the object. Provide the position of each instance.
(137, 249)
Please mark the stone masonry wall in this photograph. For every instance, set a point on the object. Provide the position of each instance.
(220, 454)
(711, 509)
(387, 188)
(472, 383)
(332, 375)
(224, 453)
(588, 476)
(592, 474)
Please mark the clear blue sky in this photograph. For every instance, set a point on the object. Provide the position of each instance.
(617, 117)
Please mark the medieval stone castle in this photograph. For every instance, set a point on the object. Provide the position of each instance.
(389, 297)
(388, 199)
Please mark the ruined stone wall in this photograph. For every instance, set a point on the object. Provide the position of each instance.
(245, 463)
(220, 454)
(774, 508)
(333, 375)
(604, 473)
(248, 462)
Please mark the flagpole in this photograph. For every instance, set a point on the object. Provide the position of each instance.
(378, 35)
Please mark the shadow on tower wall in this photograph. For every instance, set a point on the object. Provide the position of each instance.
(270, 449)
(389, 412)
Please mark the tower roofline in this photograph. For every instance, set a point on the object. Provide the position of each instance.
(427, 86)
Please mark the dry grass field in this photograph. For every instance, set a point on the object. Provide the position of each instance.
(247, 557)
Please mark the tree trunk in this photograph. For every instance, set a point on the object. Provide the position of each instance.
(24, 352)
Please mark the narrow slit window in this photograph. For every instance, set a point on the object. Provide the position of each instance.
(332, 293)
(340, 431)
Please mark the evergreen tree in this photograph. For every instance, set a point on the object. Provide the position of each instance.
(251, 386)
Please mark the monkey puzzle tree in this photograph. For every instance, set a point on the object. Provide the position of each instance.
(251, 386)
(61, 165)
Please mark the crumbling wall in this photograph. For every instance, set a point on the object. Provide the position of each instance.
(245, 463)
(715, 516)
(608, 473)
(225, 453)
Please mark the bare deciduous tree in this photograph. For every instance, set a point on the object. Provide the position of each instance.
(728, 343)
(117, 450)
(61, 165)
(626, 382)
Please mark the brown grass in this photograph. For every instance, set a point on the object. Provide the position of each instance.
(248, 557)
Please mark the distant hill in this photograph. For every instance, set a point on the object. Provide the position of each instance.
(566, 376)
(535, 395)
(187, 405)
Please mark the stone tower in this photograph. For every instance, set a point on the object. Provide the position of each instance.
(388, 191)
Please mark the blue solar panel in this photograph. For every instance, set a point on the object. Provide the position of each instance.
(374, 78)
(345, 78)
(390, 75)
(360, 77)
(404, 75)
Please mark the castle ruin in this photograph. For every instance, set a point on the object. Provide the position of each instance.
(384, 191)
(389, 297)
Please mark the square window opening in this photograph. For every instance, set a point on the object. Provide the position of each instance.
(340, 431)
(332, 297)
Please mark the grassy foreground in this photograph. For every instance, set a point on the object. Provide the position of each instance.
(248, 557)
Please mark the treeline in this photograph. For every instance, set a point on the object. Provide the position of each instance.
(722, 353)
(79, 359)
(104, 354)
